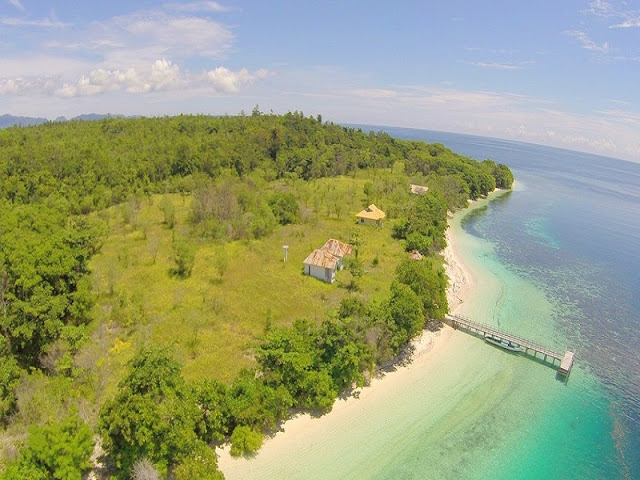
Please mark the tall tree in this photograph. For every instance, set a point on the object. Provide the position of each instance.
(152, 415)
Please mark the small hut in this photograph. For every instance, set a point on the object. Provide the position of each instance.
(415, 255)
(371, 215)
(418, 189)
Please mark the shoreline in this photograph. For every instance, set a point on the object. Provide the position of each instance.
(428, 346)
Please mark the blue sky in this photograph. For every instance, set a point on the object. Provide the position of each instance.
(564, 73)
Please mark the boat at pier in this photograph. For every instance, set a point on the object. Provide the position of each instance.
(504, 344)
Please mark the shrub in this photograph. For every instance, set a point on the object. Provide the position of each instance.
(59, 451)
(285, 208)
(244, 440)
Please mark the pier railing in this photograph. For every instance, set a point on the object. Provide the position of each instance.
(566, 359)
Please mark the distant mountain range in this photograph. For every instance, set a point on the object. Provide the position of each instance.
(12, 120)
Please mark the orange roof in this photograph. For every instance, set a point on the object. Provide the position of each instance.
(321, 258)
(372, 213)
(337, 248)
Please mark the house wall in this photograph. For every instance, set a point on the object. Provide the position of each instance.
(367, 221)
(325, 274)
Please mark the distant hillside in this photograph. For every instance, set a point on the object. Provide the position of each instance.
(12, 120)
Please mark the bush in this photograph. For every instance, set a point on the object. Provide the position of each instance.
(352, 307)
(429, 283)
(60, 451)
(244, 440)
(169, 211)
(184, 256)
(201, 465)
(253, 403)
(285, 208)
(406, 311)
(213, 404)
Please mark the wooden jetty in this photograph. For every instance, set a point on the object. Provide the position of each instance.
(565, 360)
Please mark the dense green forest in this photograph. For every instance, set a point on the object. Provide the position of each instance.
(74, 193)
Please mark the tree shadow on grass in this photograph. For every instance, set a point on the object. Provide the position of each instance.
(176, 273)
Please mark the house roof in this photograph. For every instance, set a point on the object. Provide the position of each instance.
(415, 255)
(371, 213)
(337, 248)
(418, 189)
(321, 258)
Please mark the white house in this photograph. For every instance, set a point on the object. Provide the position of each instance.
(371, 215)
(322, 265)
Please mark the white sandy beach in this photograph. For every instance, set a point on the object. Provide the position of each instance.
(302, 428)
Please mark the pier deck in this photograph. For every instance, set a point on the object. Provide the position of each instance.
(565, 360)
(567, 363)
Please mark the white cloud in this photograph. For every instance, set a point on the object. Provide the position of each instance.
(622, 58)
(42, 22)
(460, 100)
(374, 93)
(224, 80)
(42, 65)
(502, 66)
(150, 35)
(121, 54)
(17, 4)
(198, 7)
(628, 18)
(623, 116)
(629, 23)
(21, 86)
(601, 9)
(587, 43)
(163, 75)
(617, 101)
(138, 39)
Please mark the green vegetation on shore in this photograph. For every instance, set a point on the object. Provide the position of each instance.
(141, 278)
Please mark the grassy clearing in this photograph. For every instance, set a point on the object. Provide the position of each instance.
(213, 316)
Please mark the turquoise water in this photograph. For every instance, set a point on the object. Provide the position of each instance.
(558, 260)
(571, 228)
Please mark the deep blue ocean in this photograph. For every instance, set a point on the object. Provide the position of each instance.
(572, 227)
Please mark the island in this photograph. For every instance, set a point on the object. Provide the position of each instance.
(148, 314)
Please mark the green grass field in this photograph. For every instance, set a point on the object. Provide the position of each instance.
(214, 316)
